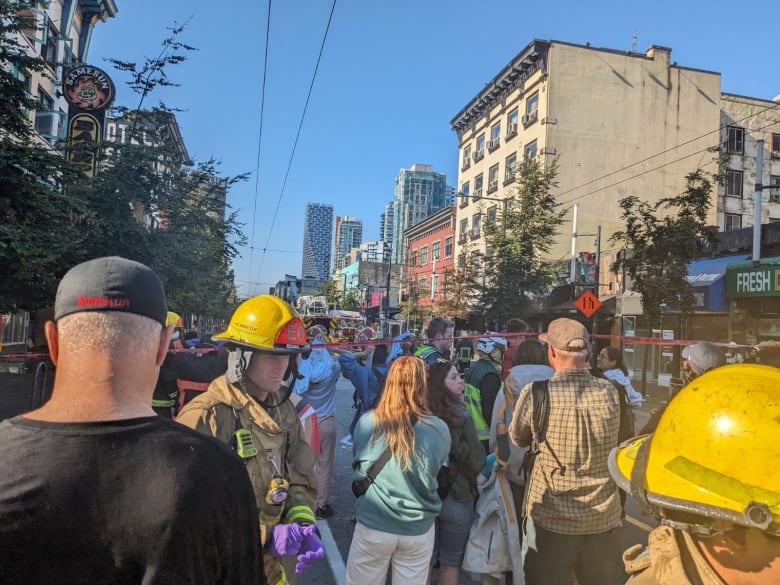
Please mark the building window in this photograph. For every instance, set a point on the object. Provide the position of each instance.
(733, 222)
(434, 285)
(44, 115)
(466, 156)
(775, 145)
(476, 226)
(49, 47)
(495, 136)
(478, 186)
(464, 226)
(530, 150)
(774, 188)
(493, 178)
(422, 283)
(531, 110)
(413, 258)
(735, 141)
(436, 250)
(423, 255)
(734, 183)
(491, 213)
(511, 123)
(448, 247)
(510, 166)
(479, 152)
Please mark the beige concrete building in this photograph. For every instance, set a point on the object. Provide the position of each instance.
(620, 123)
(744, 121)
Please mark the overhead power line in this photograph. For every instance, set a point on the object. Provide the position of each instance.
(298, 134)
(259, 138)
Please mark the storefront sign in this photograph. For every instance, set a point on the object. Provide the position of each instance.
(763, 281)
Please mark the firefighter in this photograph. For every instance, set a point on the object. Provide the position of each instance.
(166, 392)
(708, 473)
(249, 409)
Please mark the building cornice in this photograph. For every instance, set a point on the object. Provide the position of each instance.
(104, 9)
(531, 59)
(438, 220)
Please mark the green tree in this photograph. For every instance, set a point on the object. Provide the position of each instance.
(460, 289)
(43, 224)
(330, 290)
(518, 240)
(661, 239)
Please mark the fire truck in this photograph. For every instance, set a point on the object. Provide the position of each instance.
(342, 325)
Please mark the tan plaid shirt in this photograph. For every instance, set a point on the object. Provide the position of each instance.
(570, 489)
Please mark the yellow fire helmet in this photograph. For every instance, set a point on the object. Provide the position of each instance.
(173, 319)
(267, 324)
(714, 454)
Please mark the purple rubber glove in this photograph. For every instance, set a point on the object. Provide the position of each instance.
(311, 548)
(287, 539)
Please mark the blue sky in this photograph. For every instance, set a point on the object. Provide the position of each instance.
(392, 76)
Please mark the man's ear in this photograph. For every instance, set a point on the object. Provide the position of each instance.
(52, 340)
(165, 340)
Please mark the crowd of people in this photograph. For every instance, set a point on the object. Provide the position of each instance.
(508, 455)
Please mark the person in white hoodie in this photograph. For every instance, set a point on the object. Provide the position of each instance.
(610, 362)
(530, 365)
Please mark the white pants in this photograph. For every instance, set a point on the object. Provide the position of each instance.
(372, 551)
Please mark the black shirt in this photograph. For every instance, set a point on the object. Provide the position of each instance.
(139, 501)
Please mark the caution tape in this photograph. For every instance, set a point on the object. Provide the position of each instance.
(652, 341)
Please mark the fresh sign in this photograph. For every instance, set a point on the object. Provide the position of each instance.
(758, 282)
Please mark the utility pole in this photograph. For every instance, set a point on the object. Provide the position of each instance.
(757, 202)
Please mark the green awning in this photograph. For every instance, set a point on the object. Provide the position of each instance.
(745, 279)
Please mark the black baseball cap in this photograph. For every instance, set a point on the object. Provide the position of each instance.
(111, 284)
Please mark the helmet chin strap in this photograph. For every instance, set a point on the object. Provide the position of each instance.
(238, 364)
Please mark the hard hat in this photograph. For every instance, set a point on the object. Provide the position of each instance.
(267, 324)
(714, 453)
(173, 319)
(488, 344)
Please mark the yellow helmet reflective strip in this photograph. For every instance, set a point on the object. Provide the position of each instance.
(298, 513)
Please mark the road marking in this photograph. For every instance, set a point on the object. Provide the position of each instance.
(335, 561)
(346, 441)
(639, 523)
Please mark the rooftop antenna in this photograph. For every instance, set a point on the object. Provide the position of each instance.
(633, 41)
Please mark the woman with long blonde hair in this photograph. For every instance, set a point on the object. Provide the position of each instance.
(399, 504)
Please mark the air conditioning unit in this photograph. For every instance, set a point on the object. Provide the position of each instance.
(475, 232)
(477, 193)
(494, 143)
(530, 118)
(479, 154)
(776, 154)
(493, 185)
(550, 150)
(511, 130)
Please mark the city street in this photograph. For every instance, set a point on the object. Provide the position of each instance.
(337, 530)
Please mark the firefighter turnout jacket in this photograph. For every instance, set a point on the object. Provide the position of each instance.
(282, 458)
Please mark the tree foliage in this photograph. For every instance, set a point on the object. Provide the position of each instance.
(518, 240)
(460, 289)
(42, 224)
(660, 240)
(146, 201)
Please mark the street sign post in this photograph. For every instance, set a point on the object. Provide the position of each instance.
(587, 303)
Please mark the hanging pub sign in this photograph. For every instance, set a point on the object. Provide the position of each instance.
(88, 91)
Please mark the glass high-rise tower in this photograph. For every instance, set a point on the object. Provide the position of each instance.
(419, 192)
(317, 239)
